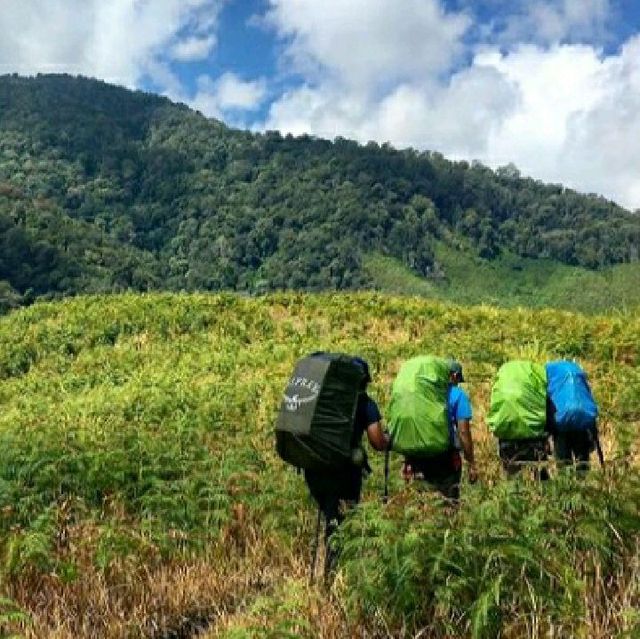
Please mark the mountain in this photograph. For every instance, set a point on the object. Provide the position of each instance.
(103, 189)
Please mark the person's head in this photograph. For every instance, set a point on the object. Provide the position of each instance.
(455, 372)
(365, 369)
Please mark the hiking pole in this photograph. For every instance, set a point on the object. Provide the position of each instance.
(385, 496)
(596, 437)
(314, 554)
(387, 455)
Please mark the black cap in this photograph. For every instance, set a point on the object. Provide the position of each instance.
(456, 367)
(365, 368)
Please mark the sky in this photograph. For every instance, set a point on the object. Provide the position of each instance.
(552, 86)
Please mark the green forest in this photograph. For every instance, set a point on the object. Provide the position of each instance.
(103, 190)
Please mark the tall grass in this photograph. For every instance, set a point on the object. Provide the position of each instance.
(140, 491)
(518, 559)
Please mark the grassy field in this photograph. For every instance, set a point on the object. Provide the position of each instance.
(140, 495)
(511, 281)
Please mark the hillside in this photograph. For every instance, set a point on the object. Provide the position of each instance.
(142, 497)
(512, 281)
(103, 189)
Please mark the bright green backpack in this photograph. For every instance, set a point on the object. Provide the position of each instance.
(519, 401)
(418, 414)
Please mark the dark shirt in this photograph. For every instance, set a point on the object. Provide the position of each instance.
(367, 413)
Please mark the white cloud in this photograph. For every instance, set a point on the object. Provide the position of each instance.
(602, 146)
(368, 42)
(227, 93)
(553, 85)
(119, 41)
(562, 112)
(456, 118)
(553, 21)
(193, 48)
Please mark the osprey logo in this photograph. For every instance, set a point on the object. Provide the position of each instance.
(300, 391)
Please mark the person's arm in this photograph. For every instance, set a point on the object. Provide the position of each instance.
(464, 432)
(378, 439)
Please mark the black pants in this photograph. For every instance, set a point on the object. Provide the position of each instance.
(334, 493)
(517, 454)
(442, 472)
(574, 447)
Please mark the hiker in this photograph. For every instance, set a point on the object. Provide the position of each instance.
(325, 413)
(443, 471)
(518, 417)
(337, 491)
(572, 415)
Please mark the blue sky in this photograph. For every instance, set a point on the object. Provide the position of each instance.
(550, 85)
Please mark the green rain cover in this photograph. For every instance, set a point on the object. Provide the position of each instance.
(519, 401)
(418, 416)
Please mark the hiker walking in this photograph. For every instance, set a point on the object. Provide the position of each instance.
(430, 423)
(572, 415)
(325, 412)
(518, 417)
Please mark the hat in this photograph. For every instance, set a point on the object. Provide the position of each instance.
(456, 367)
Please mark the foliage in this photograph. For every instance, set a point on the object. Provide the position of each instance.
(517, 558)
(103, 189)
(139, 478)
(510, 281)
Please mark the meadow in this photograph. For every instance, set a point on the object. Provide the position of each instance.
(141, 496)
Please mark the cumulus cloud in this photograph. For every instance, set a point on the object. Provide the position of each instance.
(228, 93)
(193, 48)
(367, 42)
(602, 146)
(508, 22)
(456, 118)
(562, 112)
(120, 41)
(554, 21)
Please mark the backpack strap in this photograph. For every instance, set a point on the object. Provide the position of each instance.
(450, 420)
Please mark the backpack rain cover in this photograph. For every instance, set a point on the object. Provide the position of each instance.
(314, 429)
(519, 401)
(418, 412)
(571, 396)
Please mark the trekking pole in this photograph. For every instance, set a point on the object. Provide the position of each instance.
(387, 455)
(385, 496)
(314, 554)
(596, 437)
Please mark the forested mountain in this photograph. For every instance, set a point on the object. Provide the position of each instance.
(106, 189)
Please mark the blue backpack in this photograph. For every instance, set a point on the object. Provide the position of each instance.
(568, 389)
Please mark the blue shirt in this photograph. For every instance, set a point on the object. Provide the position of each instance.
(459, 409)
(459, 405)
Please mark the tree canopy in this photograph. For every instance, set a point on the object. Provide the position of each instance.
(104, 189)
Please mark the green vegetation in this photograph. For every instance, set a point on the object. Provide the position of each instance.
(103, 190)
(519, 559)
(140, 493)
(512, 281)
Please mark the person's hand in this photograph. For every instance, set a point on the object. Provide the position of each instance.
(473, 474)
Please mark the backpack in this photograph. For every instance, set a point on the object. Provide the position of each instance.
(418, 411)
(519, 401)
(314, 429)
(568, 389)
